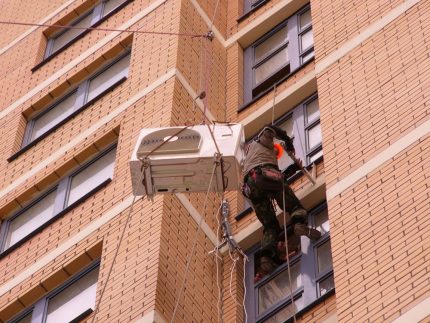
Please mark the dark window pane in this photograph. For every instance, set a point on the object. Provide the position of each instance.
(70, 34)
(286, 312)
(25, 319)
(272, 43)
(314, 136)
(31, 219)
(92, 176)
(326, 285)
(324, 257)
(321, 222)
(111, 5)
(74, 300)
(272, 65)
(305, 19)
(107, 78)
(312, 111)
(278, 288)
(307, 56)
(306, 40)
(315, 156)
(49, 119)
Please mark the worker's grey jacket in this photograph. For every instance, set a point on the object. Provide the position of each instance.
(259, 155)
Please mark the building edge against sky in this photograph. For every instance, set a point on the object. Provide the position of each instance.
(349, 81)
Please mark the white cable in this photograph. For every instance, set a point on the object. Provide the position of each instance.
(194, 244)
(245, 259)
(286, 249)
(216, 264)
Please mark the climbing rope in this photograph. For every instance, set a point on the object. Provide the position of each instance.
(273, 104)
(194, 245)
(19, 23)
(287, 253)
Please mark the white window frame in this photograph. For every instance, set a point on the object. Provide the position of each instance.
(38, 311)
(97, 16)
(62, 189)
(80, 104)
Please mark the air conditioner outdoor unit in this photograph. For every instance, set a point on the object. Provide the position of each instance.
(182, 159)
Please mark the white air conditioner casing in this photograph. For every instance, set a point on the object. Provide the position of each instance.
(185, 162)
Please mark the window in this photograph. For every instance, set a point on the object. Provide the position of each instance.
(76, 100)
(252, 4)
(73, 300)
(90, 177)
(270, 298)
(303, 125)
(91, 18)
(50, 205)
(278, 53)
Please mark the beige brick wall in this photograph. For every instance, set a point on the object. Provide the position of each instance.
(370, 99)
(151, 262)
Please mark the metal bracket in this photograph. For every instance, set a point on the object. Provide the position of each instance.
(146, 180)
(210, 35)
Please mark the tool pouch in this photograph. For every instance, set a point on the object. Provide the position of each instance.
(268, 179)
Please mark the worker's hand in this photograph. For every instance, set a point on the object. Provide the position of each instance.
(299, 163)
(289, 146)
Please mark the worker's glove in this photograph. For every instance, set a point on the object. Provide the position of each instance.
(289, 146)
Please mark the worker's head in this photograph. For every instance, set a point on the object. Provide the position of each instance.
(266, 137)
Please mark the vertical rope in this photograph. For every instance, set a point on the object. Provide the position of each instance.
(273, 104)
(288, 258)
(114, 259)
(194, 245)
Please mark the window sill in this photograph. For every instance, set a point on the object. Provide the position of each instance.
(290, 180)
(81, 35)
(55, 218)
(80, 317)
(264, 92)
(251, 11)
(62, 122)
(310, 306)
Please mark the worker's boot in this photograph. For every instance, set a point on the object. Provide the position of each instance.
(302, 229)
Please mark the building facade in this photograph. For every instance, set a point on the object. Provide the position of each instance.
(348, 80)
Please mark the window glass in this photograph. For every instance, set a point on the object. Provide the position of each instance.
(273, 42)
(307, 56)
(312, 111)
(32, 218)
(52, 117)
(74, 300)
(324, 256)
(25, 319)
(110, 5)
(314, 135)
(307, 40)
(92, 176)
(273, 64)
(305, 19)
(315, 156)
(321, 222)
(70, 34)
(286, 312)
(109, 77)
(287, 125)
(278, 288)
(326, 285)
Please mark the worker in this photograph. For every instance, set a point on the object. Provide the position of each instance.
(263, 182)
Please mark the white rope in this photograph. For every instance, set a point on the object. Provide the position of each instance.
(219, 305)
(245, 259)
(288, 258)
(194, 245)
(114, 259)
(273, 104)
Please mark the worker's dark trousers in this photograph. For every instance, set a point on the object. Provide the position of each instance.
(261, 200)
